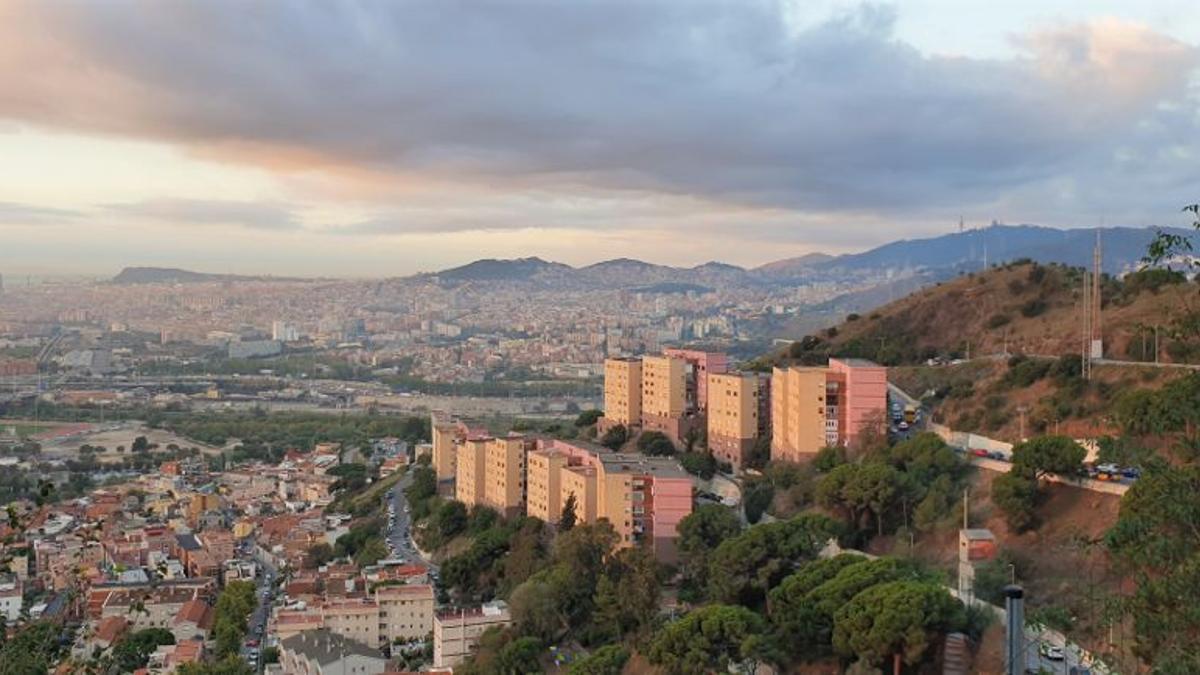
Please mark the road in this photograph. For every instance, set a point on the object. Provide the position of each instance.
(399, 536)
(1036, 663)
(256, 628)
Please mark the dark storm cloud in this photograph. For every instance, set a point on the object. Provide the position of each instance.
(714, 99)
(252, 215)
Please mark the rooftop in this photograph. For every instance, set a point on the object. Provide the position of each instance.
(324, 647)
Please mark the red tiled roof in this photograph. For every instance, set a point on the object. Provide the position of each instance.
(111, 628)
(195, 611)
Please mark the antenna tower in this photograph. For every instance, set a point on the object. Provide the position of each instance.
(1093, 341)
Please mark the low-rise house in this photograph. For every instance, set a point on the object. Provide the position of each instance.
(193, 621)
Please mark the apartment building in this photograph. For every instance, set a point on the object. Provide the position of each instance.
(798, 413)
(445, 449)
(643, 498)
(504, 475)
(356, 619)
(579, 481)
(863, 400)
(698, 366)
(554, 472)
(470, 478)
(405, 612)
(738, 414)
(813, 407)
(456, 632)
(664, 397)
(622, 393)
(543, 476)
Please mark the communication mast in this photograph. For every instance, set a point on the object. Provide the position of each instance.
(1093, 341)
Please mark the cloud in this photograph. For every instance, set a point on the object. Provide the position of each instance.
(717, 103)
(251, 215)
(28, 214)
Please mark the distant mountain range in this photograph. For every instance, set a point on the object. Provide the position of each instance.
(936, 257)
(171, 275)
(928, 259)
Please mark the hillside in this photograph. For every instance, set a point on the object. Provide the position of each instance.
(1020, 308)
(1124, 248)
(171, 275)
(986, 350)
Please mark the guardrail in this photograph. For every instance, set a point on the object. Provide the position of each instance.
(968, 442)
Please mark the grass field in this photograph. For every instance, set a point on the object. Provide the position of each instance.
(24, 428)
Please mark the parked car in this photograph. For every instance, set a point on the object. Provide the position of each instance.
(1131, 472)
(996, 454)
(979, 452)
(1049, 651)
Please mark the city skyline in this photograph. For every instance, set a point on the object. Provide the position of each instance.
(375, 140)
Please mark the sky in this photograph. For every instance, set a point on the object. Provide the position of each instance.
(366, 139)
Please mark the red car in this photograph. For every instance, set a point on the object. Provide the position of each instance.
(251, 643)
(979, 453)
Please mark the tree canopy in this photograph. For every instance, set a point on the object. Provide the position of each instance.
(901, 617)
(1157, 538)
(707, 640)
(743, 568)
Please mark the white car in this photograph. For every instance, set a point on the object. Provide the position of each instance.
(1051, 653)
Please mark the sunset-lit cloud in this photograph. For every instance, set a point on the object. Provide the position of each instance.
(752, 130)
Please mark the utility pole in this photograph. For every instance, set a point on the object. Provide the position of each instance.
(966, 508)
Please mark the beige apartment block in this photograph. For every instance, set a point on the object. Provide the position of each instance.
(405, 612)
(798, 412)
(665, 397)
(471, 473)
(544, 469)
(356, 620)
(664, 386)
(504, 476)
(735, 415)
(445, 450)
(644, 499)
(623, 392)
(579, 481)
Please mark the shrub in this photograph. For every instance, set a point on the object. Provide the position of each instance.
(655, 443)
(588, 417)
(699, 464)
(998, 320)
(615, 437)
(1033, 308)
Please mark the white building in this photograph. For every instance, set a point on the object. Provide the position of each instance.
(456, 632)
(10, 600)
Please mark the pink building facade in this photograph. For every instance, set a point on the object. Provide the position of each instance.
(669, 501)
(862, 399)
